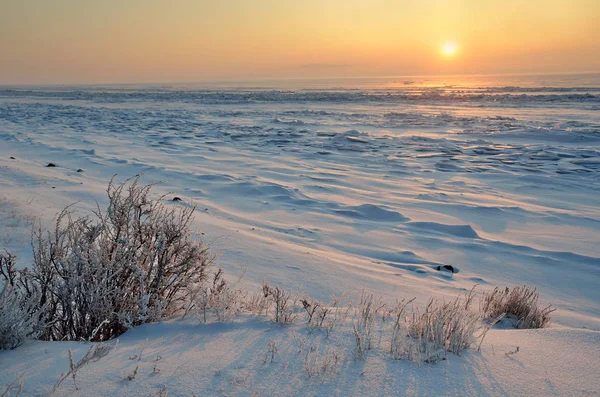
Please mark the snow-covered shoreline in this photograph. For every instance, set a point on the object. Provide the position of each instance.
(335, 197)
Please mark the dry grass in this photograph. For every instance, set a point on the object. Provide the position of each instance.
(365, 315)
(94, 354)
(16, 387)
(442, 327)
(521, 304)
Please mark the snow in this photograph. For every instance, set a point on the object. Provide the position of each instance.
(228, 359)
(331, 191)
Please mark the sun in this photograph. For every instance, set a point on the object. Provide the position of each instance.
(449, 48)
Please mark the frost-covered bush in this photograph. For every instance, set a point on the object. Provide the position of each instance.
(226, 301)
(19, 312)
(97, 276)
(218, 296)
(519, 304)
(283, 303)
(318, 363)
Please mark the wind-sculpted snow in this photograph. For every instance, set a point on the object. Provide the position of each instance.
(340, 189)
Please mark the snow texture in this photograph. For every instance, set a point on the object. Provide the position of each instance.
(331, 190)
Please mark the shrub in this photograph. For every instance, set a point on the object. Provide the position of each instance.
(219, 296)
(19, 312)
(317, 363)
(311, 307)
(283, 303)
(321, 316)
(226, 301)
(97, 276)
(519, 304)
(271, 352)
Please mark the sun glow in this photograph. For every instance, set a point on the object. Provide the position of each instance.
(449, 48)
(99, 41)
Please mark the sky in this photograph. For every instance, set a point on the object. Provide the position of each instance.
(135, 41)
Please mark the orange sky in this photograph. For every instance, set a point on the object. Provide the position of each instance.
(126, 41)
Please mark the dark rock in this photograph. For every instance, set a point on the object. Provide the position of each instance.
(79, 170)
(51, 165)
(176, 199)
(447, 268)
(12, 158)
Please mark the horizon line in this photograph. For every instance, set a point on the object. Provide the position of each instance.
(321, 78)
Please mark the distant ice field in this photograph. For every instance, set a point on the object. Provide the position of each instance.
(336, 185)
